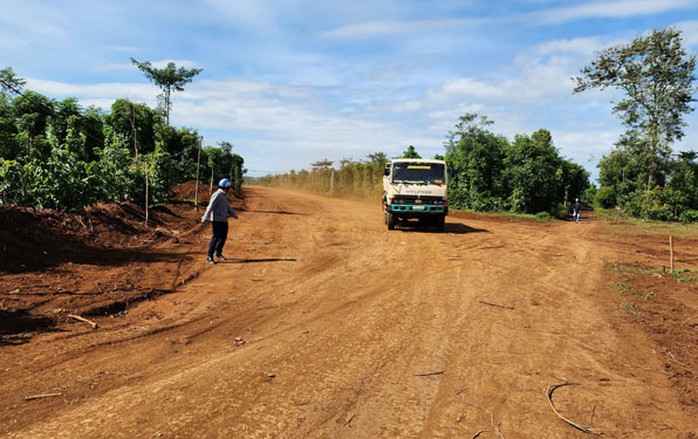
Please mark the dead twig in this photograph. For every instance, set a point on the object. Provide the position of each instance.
(301, 404)
(428, 374)
(477, 435)
(593, 412)
(495, 304)
(549, 395)
(43, 395)
(348, 423)
(83, 319)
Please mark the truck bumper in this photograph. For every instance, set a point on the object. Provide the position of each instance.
(417, 209)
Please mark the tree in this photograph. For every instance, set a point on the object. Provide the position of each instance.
(322, 164)
(10, 148)
(9, 82)
(169, 79)
(476, 156)
(33, 112)
(134, 122)
(656, 75)
(410, 153)
(534, 173)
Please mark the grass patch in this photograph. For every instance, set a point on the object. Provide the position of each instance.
(684, 275)
(624, 289)
(629, 307)
(620, 224)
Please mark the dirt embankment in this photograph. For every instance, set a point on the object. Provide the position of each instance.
(325, 324)
(54, 264)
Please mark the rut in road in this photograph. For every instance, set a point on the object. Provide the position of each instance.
(345, 329)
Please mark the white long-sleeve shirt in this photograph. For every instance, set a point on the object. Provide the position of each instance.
(219, 208)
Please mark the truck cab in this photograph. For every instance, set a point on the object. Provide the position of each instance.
(415, 192)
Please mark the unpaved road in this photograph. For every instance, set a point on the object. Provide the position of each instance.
(324, 324)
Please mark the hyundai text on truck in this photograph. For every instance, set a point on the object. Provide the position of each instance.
(415, 192)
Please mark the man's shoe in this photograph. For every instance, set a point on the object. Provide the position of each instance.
(210, 261)
(221, 257)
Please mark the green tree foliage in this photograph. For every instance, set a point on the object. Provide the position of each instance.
(135, 123)
(10, 83)
(525, 176)
(169, 79)
(32, 112)
(477, 158)
(534, 173)
(10, 147)
(656, 75)
(410, 153)
(59, 155)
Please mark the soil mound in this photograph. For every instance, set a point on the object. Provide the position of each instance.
(53, 263)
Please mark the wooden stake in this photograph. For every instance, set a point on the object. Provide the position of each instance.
(198, 166)
(671, 252)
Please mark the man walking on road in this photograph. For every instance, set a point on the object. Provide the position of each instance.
(218, 211)
(576, 210)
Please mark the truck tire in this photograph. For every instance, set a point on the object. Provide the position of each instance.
(440, 222)
(390, 219)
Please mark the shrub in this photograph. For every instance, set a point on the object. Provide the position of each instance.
(689, 216)
(605, 197)
(543, 216)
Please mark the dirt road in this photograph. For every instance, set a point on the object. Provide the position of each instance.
(325, 324)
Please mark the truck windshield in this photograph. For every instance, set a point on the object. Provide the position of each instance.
(419, 173)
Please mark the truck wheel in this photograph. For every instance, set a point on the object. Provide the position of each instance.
(390, 219)
(440, 223)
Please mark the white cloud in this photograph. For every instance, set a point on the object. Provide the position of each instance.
(401, 27)
(610, 9)
(108, 92)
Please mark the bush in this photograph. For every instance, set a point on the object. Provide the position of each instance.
(689, 216)
(543, 216)
(648, 204)
(605, 197)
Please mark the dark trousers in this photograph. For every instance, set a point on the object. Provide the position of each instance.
(220, 234)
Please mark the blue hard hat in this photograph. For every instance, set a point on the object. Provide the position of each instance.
(224, 183)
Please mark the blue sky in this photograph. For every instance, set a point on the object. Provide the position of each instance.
(291, 82)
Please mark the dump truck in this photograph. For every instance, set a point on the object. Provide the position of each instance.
(415, 193)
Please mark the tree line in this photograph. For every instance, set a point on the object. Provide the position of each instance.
(490, 173)
(57, 154)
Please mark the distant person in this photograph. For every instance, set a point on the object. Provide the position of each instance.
(576, 210)
(217, 212)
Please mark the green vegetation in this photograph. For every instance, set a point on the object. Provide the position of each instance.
(524, 176)
(629, 307)
(527, 176)
(621, 224)
(686, 275)
(641, 176)
(62, 156)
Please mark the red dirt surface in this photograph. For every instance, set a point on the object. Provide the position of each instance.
(325, 324)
